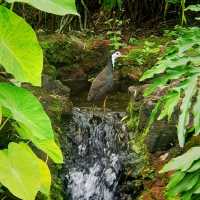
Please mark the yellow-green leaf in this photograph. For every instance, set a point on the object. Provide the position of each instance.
(50, 148)
(20, 52)
(32, 122)
(59, 7)
(21, 170)
(45, 177)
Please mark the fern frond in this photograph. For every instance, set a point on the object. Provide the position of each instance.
(170, 102)
(196, 114)
(185, 106)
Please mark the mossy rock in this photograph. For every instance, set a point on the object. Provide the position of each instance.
(161, 135)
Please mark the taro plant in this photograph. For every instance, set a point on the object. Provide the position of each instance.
(21, 171)
(178, 73)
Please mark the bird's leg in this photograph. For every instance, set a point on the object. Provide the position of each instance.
(93, 109)
(104, 104)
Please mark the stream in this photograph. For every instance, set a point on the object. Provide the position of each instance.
(97, 143)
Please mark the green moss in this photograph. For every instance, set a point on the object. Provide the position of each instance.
(56, 189)
(50, 70)
(137, 139)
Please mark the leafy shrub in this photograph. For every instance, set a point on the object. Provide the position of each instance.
(178, 72)
(21, 171)
(140, 54)
(115, 39)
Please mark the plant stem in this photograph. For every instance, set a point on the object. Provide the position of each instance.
(47, 158)
(12, 6)
(4, 123)
(85, 13)
(183, 17)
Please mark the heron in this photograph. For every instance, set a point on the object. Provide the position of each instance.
(103, 83)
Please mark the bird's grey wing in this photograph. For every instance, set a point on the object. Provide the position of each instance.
(99, 86)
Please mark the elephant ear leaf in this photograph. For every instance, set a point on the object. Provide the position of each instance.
(32, 122)
(20, 52)
(58, 7)
(21, 171)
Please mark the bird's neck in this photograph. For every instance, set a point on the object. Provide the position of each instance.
(110, 64)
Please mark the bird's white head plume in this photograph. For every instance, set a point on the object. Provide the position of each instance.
(115, 55)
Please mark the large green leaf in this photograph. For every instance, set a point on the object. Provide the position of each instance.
(189, 181)
(21, 170)
(45, 177)
(183, 162)
(33, 122)
(20, 52)
(59, 7)
(50, 148)
(195, 166)
(47, 145)
(175, 179)
(26, 109)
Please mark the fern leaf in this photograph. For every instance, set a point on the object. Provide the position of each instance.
(196, 114)
(170, 102)
(171, 74)
(157, 69)
(185, 106)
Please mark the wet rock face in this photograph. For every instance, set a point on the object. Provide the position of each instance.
(54, 97)
(94, 170)
(162, 134)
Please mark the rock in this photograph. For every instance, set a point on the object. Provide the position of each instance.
(60, 50)
(162, 134)
(55, 86)
(54, 96)
(132, 73)
(77, 86)
(50, 70)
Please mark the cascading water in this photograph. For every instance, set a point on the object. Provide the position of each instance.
(96, 157)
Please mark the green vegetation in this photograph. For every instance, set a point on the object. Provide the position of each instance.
(21, 171)
(171, 61)
(144, 51)
(177, 72)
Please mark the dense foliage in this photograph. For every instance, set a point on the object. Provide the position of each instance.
(21, 171)
(177, 72)
(137, 12)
